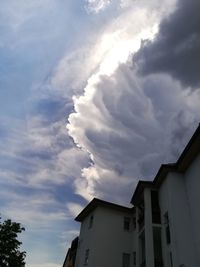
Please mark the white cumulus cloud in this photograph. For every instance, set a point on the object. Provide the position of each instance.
(97, 5)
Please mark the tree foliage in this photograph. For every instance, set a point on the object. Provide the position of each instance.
(10, 255)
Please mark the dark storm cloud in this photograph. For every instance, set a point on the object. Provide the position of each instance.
(130, 126)
(176, 49)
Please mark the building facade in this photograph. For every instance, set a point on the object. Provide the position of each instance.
(168, 212)
(160, 230)
(106, 235)
(71, 254)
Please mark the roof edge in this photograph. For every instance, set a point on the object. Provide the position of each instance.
(98, 202)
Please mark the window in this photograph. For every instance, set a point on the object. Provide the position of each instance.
(157, 245)
(86, 257)
(155, 207)
(167, 232)
(126, 260)
(155, 200)
(167, 229)
(134, 223)
(127, 223)
(91, 221)
(171, 261)
(142, 251)
(134, 258)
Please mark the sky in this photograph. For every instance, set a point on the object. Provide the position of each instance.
(94, 95)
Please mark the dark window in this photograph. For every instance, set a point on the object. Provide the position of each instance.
(155, 207)
(154, 200)
(167, 232)
(91, 221)
(134, 258)
(127, 223)
(86, 256)
(142, 252)
(157, 245)
(134, 223)
(171, 261)
(167, 228)
(126, 260)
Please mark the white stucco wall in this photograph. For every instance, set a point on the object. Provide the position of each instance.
(148, 228)
(192, 183)
(173, 199)
(106, 240)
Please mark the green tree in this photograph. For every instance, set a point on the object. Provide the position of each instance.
(10, 255)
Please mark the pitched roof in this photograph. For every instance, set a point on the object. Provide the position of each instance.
(100, 203)
(190, 152)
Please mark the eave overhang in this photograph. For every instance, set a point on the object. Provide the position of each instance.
(98, 202)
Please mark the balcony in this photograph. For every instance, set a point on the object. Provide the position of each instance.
(156, 216)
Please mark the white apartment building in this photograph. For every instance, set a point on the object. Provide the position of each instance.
(161, 230)
(168, 212)
(106, 235)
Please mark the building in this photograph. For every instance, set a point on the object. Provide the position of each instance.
(160, 230)
(71, 254)
(168, 212)
(106, 234)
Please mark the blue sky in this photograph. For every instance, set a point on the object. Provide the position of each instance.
(87, 106)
